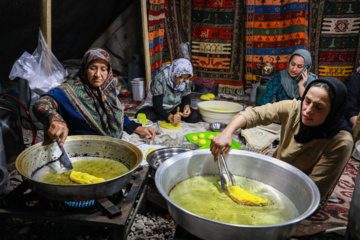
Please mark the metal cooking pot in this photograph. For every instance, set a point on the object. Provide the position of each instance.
(37, 159)
(159, 156)
(292, 182)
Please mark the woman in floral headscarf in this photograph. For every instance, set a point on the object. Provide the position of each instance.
(169, 90)
(86, 103)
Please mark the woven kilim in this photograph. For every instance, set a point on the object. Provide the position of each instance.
(214, 29)
(156, 25)
(172, 29)
(274, 30)
(335, 38)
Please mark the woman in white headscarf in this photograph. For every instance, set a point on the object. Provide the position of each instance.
(168, 90)
(290, 83)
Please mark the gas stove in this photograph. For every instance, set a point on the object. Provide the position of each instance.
(116, 212)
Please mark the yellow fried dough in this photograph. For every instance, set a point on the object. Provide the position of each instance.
(243, 197)
(84, 178)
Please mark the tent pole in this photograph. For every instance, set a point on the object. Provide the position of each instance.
(45, 20)
(146, 41)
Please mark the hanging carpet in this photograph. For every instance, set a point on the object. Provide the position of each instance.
(274, 30)
(214, 30)
(335, 45)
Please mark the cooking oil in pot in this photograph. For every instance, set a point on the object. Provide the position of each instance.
(98, 167)
(202, 195)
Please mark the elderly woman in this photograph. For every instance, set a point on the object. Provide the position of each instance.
(290, 83)
(86, 103)
(169, 90)
(314, 137)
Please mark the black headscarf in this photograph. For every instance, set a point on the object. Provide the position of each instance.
(334, 121)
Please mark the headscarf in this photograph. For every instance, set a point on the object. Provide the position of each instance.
(175, 69)
(100, 106)
(290, 85)
(334, 121)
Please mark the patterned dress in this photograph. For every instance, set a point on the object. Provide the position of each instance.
(274, 91)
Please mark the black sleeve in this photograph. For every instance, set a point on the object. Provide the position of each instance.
(186, 100)
(131, 126)
(352, 107)
(158, 108)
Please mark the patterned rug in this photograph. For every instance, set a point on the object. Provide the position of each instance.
(156, 25)
(172, 29)
(214, 30)
(274, 30)
(333, 215)
(335, 45)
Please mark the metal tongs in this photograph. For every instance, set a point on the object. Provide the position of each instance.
(64, 158)
(223, 180)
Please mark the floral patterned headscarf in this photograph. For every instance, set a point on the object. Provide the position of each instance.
(177, 68)
(100, 106)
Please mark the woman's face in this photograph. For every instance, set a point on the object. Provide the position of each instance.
(97, 72)
(297, 64)
(315, 107)
(180, 79)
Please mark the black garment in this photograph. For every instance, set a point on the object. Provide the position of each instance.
(157, 112)
(353, 227)
(334, 121)
(352, 84)
(131, 126)
(152, 114)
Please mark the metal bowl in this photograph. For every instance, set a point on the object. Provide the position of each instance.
(217, 126)
(159, 156)
(300, 190)
(189, 145)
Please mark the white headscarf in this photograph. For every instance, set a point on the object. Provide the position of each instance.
(175, 69)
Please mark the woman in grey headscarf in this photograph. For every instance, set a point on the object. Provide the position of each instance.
(168, 90)
(290, 83)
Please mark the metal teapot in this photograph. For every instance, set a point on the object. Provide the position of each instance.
(267, 69)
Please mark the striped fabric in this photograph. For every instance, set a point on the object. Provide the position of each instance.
(156, 25)
(214, 31)
(274, 30)
(335, 45)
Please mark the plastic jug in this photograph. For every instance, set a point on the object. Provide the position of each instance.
(142, 118)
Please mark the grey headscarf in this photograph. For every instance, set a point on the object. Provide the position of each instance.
(290, 85)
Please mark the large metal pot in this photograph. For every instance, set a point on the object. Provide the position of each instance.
(296, 185)
(37, 159)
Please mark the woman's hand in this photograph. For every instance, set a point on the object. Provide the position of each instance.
(175, 118)
(58, 130)
(224, 139)
(302, 82)
(187, 111)
(220, 142)
(145, 131)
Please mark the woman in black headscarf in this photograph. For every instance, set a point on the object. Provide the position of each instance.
(313, 136)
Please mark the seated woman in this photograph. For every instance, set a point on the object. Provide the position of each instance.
(86, 103)
(290, 83)
(352, 108)
(314, 137)
(170, 89)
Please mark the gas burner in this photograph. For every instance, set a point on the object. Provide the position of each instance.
(116, 212)
(81, 204)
